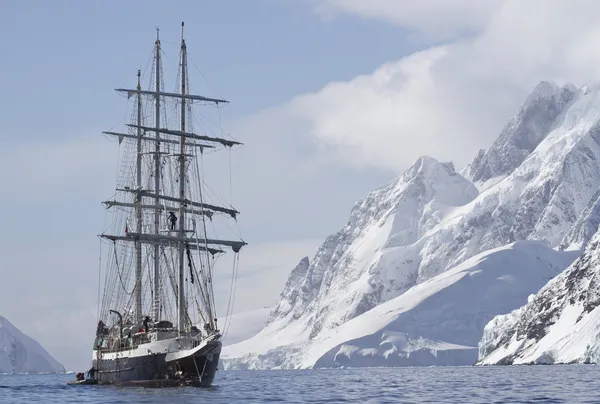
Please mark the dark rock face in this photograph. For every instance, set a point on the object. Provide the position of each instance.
(586, 225)
(575, 289)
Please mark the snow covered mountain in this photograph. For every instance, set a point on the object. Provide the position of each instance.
(560, 324)
(521, 135)
(21, 354)
(372, 259)
(538, 181)
(437, 322)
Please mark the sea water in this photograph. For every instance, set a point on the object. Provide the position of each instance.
(501, 384)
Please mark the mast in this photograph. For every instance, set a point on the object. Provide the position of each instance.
(157, 198)
(181, 305)
(138, 210)
(157, 183)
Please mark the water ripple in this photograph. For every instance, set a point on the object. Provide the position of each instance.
(504, 384)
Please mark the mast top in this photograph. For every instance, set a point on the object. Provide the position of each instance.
(182, 39)
(157, 34)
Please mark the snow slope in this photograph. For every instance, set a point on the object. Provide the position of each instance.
(560, 324)
(21, 354)
(437, 322)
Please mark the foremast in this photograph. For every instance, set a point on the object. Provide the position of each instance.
(182, 169)
(161, 201)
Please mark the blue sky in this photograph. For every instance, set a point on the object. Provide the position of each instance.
(331, 98)
(258, 53)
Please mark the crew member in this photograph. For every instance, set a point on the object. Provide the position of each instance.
(173, 220)
(146, 320)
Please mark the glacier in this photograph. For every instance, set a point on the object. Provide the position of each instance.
(538, 182)
(437, 322)
(20, 353)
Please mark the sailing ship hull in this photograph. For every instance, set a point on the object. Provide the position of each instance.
(155, 369)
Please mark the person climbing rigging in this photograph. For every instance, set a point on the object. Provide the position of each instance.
(173, 220)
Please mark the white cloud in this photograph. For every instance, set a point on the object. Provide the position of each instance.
(433, 18)
(447, 101)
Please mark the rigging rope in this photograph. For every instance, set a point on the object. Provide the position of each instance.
(209, 292)
(119, 271)
(204, 77)
(192, 271)
(189, 257)
(230, 169)
(170, 272)
(234, 277)
(230, 180)
(99, 276)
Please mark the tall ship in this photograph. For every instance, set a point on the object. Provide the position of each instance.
(157, 318)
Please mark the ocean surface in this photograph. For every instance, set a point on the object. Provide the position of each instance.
(503, 384)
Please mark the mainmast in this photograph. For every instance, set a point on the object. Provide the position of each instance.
(182, 161)
(138, 209)
(157, 183)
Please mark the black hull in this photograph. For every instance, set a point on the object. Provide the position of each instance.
(154, 371)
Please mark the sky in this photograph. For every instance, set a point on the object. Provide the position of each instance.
(331, 99)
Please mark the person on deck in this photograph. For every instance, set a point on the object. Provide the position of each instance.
(173, 220)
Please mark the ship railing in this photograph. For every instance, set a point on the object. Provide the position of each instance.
(199, 339)
(115, 344)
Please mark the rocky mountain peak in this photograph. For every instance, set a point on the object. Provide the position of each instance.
(394, 215)
(523, 133)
